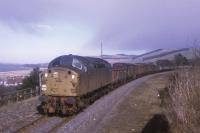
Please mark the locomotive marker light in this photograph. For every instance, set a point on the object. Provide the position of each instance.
(44, 87)
(46, 75)
(73, 76)
(55, 75)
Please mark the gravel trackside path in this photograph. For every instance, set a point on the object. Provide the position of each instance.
(15, 116)
(45, 125)
(131, 115)
(97, 117)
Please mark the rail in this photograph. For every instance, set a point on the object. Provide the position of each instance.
(19, 95)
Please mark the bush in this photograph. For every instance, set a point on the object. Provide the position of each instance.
(180, 60)
(31, 81)
(165, 63)
(184, 100)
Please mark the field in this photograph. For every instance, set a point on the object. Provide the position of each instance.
(4, 75)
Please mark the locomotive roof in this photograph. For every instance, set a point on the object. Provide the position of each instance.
(122, 63)
(66, 61)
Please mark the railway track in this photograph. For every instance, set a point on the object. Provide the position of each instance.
(32, 122)
(24, 128)
(45, 124)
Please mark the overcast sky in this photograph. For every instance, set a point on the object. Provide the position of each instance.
(33, 31)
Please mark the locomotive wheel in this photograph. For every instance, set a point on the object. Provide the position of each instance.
(45, 109)
(42, 108)
(80, 105)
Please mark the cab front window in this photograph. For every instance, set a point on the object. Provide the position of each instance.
(77, 64)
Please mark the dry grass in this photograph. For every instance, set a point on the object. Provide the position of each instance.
(182, 104)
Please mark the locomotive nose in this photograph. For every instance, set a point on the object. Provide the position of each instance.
(60, 81)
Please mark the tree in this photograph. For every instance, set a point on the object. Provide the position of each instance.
(164, 63)
(31, 81)
(181, 60)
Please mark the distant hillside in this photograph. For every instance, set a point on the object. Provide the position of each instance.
(4, 67)
(43, 65)
(10, 67)
(163, 54)
(149, 57)
(148, 53)
(118, 56)
(166, 53)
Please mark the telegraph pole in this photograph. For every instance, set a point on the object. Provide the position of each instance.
(101, 49)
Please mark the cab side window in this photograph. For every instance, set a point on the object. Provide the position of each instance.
(99, 65)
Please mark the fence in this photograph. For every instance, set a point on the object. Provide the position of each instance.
(19, 95)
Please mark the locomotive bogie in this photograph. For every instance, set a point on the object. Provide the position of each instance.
(59, 105)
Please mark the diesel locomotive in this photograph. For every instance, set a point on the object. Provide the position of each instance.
(70, 80)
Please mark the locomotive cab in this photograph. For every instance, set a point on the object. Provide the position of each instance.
(62, 77)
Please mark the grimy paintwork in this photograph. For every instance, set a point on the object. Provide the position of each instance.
(83, 82)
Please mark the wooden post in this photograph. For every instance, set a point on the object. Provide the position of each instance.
(8, 99)
(17, 96)
(31, 91)
(37, 90)
(24, 94)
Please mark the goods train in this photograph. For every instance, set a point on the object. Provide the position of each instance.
(72, 81)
